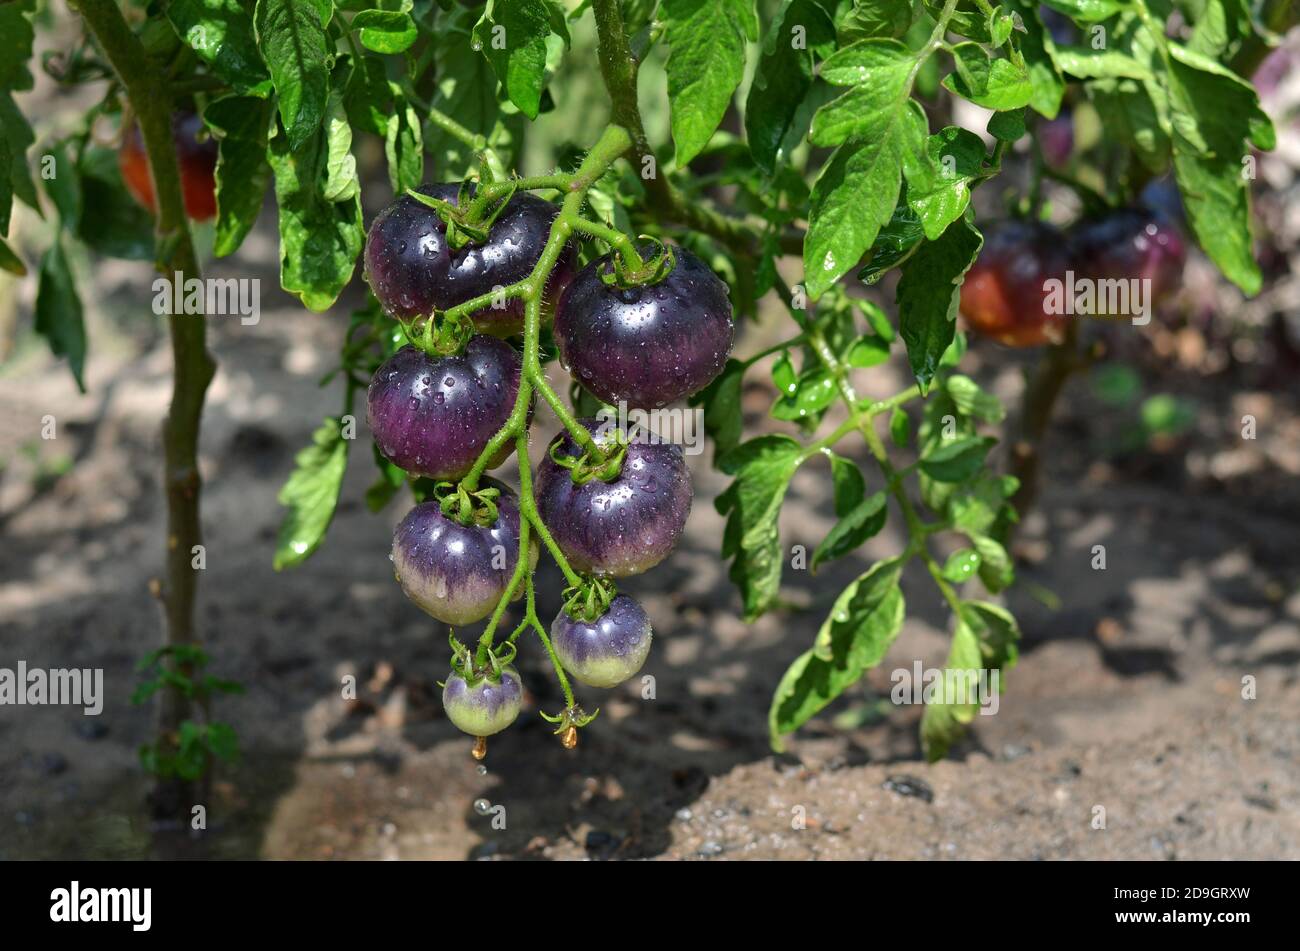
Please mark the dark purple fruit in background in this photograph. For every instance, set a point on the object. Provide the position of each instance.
(1004, 295)
(646, 345)
(484, 708)
(607, 651)
(414, 272)
(458, 573)
(1134, 243)
(617, 528)
(1056, 138)
(432, 416)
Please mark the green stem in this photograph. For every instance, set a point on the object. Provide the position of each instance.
(775, 348)
(864, 421)
(193, 367)
(569, 701)
(446, 123)
(528, 506)
(521, 571)
(617, 241)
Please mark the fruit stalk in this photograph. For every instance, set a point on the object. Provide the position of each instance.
(612, 144)
(193, 367)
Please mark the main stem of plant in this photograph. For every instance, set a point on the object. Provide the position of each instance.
(193, 367)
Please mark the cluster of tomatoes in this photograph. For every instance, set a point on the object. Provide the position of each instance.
(1008, 292)
(645, 343)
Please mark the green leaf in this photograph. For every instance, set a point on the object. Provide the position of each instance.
(869, 350)
(368, 96)
(19, 138)
(723, 420)
(857, 191)
(863, 623)
(291, 38)
(938, 181)
(385, 31)
(1038, 50)
(1128, 114)
(1214, 112)
(927, 296)
(808, 397)
(706, 61)
(894, 242)
(976, 507)
(961, 565)
(956, 460)
(59, 316)
(387, 485)
(879, 72)
(944, 720)
(868, 18)
(752, 503)
(1007, 126)
(16, 36)
(1087, 11)
(877, 319)
(997, 570)
(192, 756)
(241, 125)
(341, 181)
(319, 239)
(784, 76)
(514, 41)
(900, 427)
(972, 400)
(311, 494)
(221, 33)
(466, 91)
(112, 224)
(6, 186)
(863, 521)
(996, 84)
(222, 741)
(997, 632)
(1088, 63)
(855, 196)
(849, 485)
(64, 186)
(404, 145)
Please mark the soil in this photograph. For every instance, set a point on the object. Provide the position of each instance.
(1123, 731)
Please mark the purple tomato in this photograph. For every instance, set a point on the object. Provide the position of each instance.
(485, 707)
(607, 651)
(622, 527)
(1134, 244)
(457, 573)
(413, 271)
(432, 416)
(646, 345)
(1005, 292)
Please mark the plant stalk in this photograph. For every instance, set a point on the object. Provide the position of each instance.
(193, 367)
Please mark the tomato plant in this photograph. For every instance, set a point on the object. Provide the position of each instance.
(638, 255)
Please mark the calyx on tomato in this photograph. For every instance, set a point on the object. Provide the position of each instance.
(584, 468)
